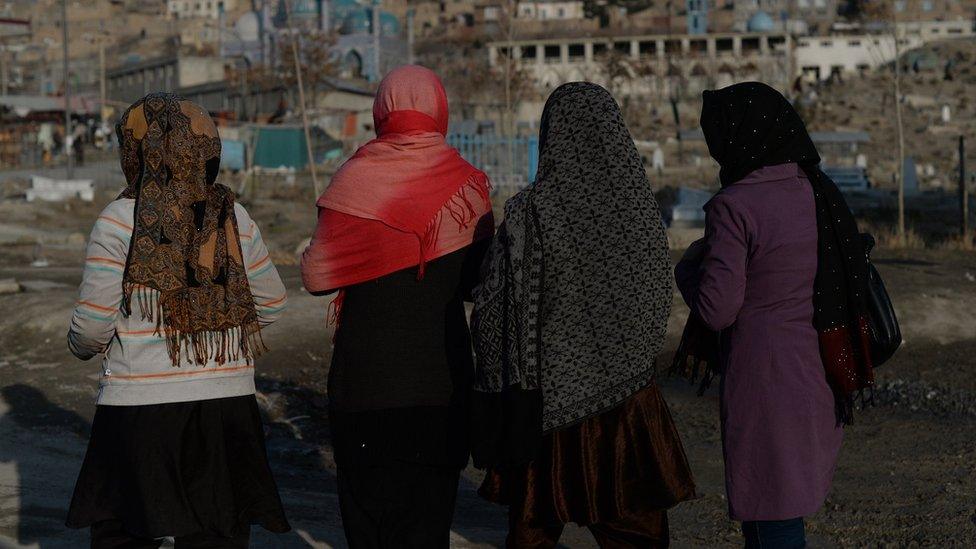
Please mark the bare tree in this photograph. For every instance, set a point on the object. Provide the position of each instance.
(885, 11)
(619, 69)
(318, 64)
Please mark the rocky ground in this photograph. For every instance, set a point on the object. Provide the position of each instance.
(906, 478)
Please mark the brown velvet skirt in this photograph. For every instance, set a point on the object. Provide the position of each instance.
(625, 462)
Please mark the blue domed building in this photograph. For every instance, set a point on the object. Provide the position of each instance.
(351, 20)
(761, 22)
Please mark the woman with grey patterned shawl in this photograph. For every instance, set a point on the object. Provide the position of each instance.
(568, 320)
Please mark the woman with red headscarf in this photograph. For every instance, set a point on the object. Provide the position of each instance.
(402, 230)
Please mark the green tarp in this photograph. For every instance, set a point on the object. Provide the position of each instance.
(277, 147)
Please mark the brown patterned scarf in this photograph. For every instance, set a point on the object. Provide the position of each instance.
(185, 243)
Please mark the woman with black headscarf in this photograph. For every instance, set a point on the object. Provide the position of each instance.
(781, 274)
(569, 318)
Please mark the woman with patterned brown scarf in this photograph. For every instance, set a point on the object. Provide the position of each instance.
(177, 287)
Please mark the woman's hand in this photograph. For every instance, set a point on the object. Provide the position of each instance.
(695, 252)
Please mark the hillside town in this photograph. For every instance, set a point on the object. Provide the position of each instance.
(499, 60)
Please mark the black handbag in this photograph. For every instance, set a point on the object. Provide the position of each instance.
(885, 333)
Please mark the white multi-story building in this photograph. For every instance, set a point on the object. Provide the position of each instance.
(657, 62)
(183, 9)
(819, 57)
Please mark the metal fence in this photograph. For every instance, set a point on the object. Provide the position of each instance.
(510, 162)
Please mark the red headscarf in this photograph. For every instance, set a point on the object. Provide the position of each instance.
(385, 208)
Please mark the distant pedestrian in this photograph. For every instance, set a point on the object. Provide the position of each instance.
(568, 323)
(177, 287)
(657, 160)
(78, 139)
(776, 291)
(402, 229)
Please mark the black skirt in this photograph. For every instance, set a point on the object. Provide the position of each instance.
(178, 468)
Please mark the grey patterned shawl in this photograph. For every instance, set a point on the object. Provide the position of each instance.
(577, 286)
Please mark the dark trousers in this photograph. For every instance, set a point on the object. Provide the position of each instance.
(645, 532)
(774, 534)
(108, 534)
(397, 505)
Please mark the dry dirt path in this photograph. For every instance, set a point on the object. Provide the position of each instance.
(907, 474)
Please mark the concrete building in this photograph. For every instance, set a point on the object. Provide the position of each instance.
(14, 34)
(658, 62)
(924, 10)
(129, 82)
(211, 9)
(929, 31)
(548, 10)
(820, 57)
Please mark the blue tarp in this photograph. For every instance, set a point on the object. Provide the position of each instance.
(232, 155)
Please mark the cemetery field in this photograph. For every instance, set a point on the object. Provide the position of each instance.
(906, 477)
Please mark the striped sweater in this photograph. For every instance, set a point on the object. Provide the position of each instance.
(136, 368)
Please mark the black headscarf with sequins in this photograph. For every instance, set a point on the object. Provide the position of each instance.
(750, 125)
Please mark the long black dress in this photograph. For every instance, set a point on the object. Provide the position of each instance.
(202, 466)
(398, 387)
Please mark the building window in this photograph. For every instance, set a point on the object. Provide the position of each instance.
(647, 48)
(826, 44)
(927, 5)
(854, 43)
(577, 51)
(528, 52)
(553, 54)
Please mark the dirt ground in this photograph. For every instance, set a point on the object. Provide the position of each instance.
(906, 476)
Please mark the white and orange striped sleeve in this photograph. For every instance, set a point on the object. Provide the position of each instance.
(93, 320)
(270, 297)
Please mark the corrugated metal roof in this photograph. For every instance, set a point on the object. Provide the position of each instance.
(45, 103)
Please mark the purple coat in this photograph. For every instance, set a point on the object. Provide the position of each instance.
(779, 431)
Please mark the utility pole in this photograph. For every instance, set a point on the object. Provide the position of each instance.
(376, 40)
(900, 126)
(963, 191)
(67, 89)
(101, 79)
(411, 13)
(3, 69)
(301, 100)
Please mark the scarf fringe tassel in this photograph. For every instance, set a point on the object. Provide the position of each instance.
(202, 347)
(460, 208)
